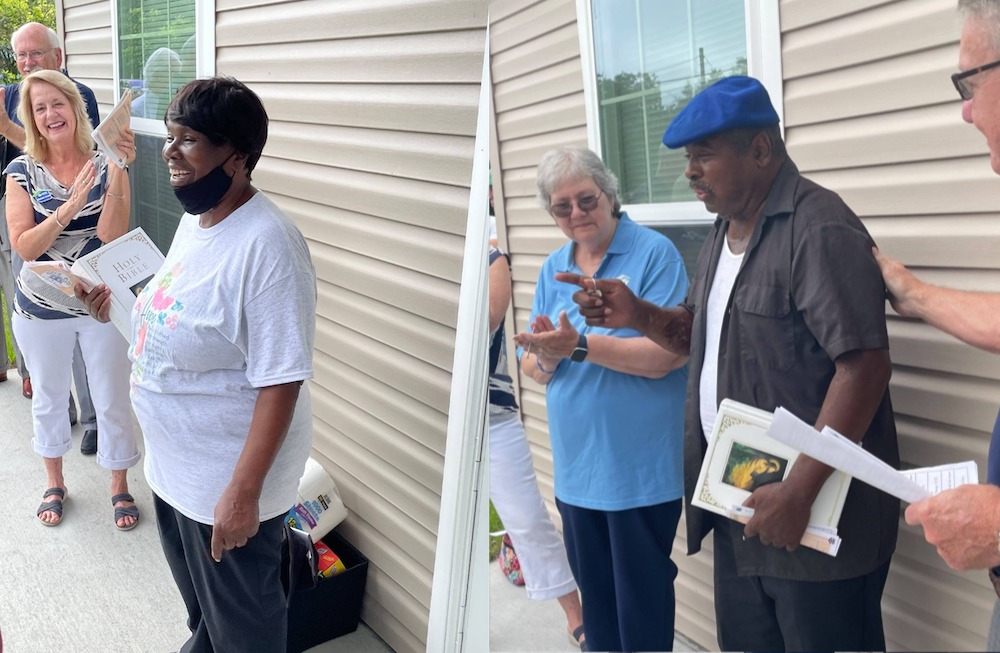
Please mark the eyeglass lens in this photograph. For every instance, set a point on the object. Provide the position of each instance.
(565, 209)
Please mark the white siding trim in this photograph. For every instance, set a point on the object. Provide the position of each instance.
(456, 620)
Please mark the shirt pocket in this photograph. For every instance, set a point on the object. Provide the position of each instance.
(767, 330)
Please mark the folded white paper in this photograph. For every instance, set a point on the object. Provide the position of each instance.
(837, 451)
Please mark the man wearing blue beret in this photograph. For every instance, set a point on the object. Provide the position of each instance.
(786, 308)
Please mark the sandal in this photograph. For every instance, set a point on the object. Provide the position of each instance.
(56, 505)
(127, 511)
(577, 638)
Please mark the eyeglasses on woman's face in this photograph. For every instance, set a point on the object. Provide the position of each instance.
(587, 203)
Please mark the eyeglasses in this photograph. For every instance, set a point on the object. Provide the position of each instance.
(961, 80)
(586, 204)
(34, 54)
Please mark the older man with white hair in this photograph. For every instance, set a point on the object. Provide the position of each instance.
(36, 47)
(964, 523)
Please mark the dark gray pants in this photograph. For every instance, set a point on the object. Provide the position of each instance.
(235, 605)
(762, 613)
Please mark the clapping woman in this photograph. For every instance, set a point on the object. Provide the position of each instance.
(615, 408)
(63, 201)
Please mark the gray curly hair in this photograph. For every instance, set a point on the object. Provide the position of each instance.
(987, 10)
(565, 164)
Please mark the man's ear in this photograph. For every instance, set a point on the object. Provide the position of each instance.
(59, 58)
(760, 148)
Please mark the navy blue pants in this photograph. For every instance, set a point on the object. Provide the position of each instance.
(621, 562)
(235, 605)
(762, 613)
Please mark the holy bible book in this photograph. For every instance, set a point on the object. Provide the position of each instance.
(125, 266)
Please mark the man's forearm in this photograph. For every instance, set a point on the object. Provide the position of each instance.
(669, 327)
(13, 132)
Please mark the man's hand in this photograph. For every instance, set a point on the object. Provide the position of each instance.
(604, 302)
(237, 519)
(963, 524)
(780, 515)
(902, 285)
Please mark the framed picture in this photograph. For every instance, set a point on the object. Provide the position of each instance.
(742, 457)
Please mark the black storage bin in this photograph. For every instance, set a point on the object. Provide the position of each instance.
(333, 607)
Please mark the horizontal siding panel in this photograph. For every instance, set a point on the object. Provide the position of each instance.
(916, 80)
(437, 158)
(87, 17)
(419, 504)
(884, 31)
(948, 398)
(561, 79)
(296, 22)
(423, 426)
(410, 376)
(561, 45)
(958, 241)
(796, 14)
(925, 443)
(526, 153)
(533, 23)
(406, 59)
(433, 298)
(408, 201)
(500, 11)
(960, 185)
(391, 630)
(916, 344)
(427, 340)
(405, 246)
(404, 107)
(91, 41)
(544, 117)
(386, 592)
(930, 133)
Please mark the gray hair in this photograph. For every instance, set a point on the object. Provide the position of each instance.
(53, 37)
(565, 164)
(985, 10)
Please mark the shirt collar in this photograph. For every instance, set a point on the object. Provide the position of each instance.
(621, 241)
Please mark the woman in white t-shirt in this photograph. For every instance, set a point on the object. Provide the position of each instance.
(222, 339)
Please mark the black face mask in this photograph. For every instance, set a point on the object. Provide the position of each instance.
(202, 195)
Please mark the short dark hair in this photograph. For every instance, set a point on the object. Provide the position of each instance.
(226, 111)
(742, 138)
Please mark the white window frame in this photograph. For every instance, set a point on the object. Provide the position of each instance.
(763, 34)
(204, 31)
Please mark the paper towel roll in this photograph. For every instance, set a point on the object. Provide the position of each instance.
(319, 508)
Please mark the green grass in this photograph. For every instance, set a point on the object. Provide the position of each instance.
(495, 525)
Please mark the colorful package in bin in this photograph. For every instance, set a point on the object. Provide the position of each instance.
(327, 562)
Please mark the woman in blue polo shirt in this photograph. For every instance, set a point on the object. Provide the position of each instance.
(615, 405)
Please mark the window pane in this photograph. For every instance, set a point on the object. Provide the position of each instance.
(688, 240)
(157, 51)
(154, 207)
(651, 58)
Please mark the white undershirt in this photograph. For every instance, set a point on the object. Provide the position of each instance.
(718, 301)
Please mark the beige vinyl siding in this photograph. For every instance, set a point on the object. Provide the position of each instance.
(869, 112)
(538, 104)
(372, 112)
(84, 28)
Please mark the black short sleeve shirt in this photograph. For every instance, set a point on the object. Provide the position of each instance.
(808, 291)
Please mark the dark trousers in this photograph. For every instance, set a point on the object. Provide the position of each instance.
(762, 613)
(235, 605)
(621, 562)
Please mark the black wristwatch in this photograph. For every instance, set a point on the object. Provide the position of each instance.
(580, 353)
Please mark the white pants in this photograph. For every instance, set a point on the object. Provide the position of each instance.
(515, 495)
(47, 346)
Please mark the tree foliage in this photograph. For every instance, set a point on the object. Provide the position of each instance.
(13, 14)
